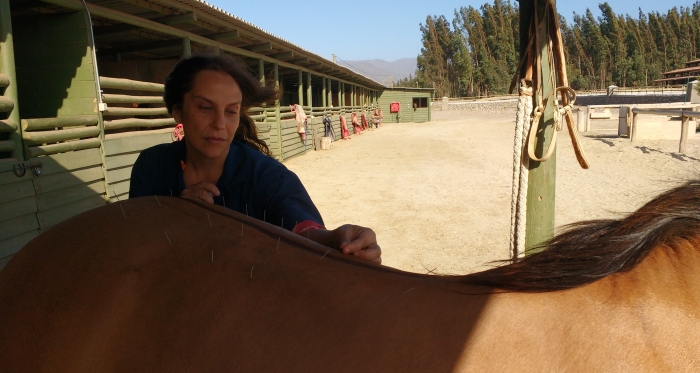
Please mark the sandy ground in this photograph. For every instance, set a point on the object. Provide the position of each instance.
(438, 194)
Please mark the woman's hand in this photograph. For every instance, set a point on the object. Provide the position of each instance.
(351, 240)
(202, 191)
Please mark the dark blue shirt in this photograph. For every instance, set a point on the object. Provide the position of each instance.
(251, 183)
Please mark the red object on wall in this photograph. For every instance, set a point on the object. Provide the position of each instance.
(394, 107)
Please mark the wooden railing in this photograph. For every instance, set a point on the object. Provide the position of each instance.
(121, 124)
(684, 114)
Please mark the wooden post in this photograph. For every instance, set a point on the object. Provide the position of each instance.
(330, 93)
(539, 226)
(261, 71)
(277, 116)
(633, 129)
(309, 101)
(186, 48)
(300, 90)
(7, 67)
(684, 133)
(588, 119)
(579, 120)
(323, 93)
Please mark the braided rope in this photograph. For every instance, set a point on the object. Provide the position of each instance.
(520, 172)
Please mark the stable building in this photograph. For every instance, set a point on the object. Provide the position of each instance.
(689, 73)
(81, 95)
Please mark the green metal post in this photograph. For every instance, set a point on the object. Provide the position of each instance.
(7, 67)
(542, 176)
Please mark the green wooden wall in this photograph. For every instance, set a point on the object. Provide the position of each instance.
(55, 68)
(55, 80)
(407, 113)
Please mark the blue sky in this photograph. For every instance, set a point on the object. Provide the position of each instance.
(382, 29)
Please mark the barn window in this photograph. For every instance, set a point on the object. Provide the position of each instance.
(420, 102)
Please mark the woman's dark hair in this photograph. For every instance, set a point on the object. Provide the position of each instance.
(181, 81)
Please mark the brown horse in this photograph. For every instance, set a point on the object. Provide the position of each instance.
(172, 285)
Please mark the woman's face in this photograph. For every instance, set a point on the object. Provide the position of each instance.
(210, 113)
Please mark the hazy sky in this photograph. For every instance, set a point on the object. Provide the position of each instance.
(383, 29)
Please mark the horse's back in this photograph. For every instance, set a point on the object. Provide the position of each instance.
(171, 285)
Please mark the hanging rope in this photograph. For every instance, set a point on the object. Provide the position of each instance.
(518, 206)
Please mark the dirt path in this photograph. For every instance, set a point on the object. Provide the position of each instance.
(438, 194)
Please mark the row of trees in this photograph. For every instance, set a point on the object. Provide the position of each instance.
(477, 52)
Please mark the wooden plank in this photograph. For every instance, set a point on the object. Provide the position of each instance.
(45, 137)
(11, 246)
(7, 146)
(70, 146)
(136, 141)
(130, 85)
(7, 125)
(117, 111)
(69, 107)
(138, 122)
(80, 89)
(17, 208)
(121, 160)
(128, 99)
(17, 226)
(38, 124)
(8, 177)
(50, 183)
(42, 55)
(120, 174)
(119, 189)
(56, 198)
(15, 191)
(49, 218)
(6, 104)
(69, 161)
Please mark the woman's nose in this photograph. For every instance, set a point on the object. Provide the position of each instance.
(219, 121)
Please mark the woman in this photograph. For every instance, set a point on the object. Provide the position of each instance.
(222, 161)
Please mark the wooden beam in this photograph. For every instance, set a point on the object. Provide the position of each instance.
(224, 36)
(298, 61)
(190, 17)
(315, 66)
(259, 47)
(282, 56)
(170, 21)
(140, 47)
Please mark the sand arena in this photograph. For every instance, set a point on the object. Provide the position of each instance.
(438, 194)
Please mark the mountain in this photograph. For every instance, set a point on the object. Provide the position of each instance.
(381, 70)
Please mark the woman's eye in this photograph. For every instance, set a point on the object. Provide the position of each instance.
(205, 108)
(231, 112)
